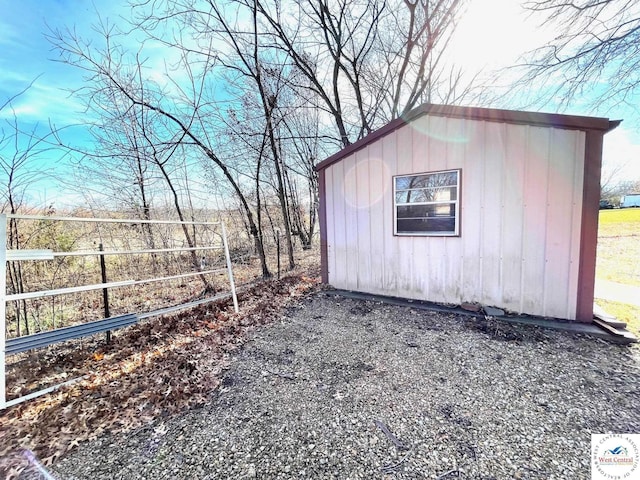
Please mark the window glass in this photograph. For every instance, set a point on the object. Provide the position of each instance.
(427, 204)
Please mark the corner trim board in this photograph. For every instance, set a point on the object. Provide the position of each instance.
(589, 225)
(322, 214)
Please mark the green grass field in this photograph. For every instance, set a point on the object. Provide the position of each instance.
(619, 259)
(619, 246)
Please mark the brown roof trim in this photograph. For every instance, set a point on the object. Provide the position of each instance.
(573, 122)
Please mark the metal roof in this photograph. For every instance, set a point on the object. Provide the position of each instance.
(573, 122)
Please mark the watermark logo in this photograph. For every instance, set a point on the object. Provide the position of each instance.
(615, 456)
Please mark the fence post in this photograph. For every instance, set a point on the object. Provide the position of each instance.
(3, 310)
(105, 292)
(229, 270)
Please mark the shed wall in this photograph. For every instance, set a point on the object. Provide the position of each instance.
(520, 207)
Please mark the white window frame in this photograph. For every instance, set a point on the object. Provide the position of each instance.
(455, 202)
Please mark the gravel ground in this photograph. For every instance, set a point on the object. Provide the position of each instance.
(349, 389)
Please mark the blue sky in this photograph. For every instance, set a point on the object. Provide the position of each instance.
(27, 56)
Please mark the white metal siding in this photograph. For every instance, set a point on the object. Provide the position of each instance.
(520, 207)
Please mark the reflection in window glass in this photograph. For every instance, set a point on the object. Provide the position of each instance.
(427, 204)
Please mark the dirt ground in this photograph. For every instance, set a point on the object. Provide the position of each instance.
(349, 389)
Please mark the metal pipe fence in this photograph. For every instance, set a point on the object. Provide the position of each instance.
(21, 343)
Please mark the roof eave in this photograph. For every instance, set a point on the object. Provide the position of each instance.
(557, 120)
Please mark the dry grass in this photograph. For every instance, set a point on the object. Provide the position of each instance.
(144, 361)
(341, 387)
(153, 369)
(135, 299)
(618, 254)
(624, 312)
(619, 246)
(619, 221)
(71, 237)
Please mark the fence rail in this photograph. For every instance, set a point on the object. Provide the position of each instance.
(47, 254)
(99, 286)
(10, 346)
(50, 337)
(129, 221)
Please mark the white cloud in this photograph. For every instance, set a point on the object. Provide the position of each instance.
(621, 155)
(494, 33)
(20, 111)
(8, 35)
(42, 103)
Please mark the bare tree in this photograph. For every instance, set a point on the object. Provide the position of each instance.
(367, 62)
(119, 169)
(303, 126)
(359, 64)
(131, 149)
(180, 115)
(597, 41)
(269, 81)
(611, 185)
(19, 170)
(363, 62)
(259, 77)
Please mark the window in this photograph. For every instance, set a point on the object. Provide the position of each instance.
(427, 204)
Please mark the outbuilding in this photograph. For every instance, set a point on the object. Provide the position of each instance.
(458, 204)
